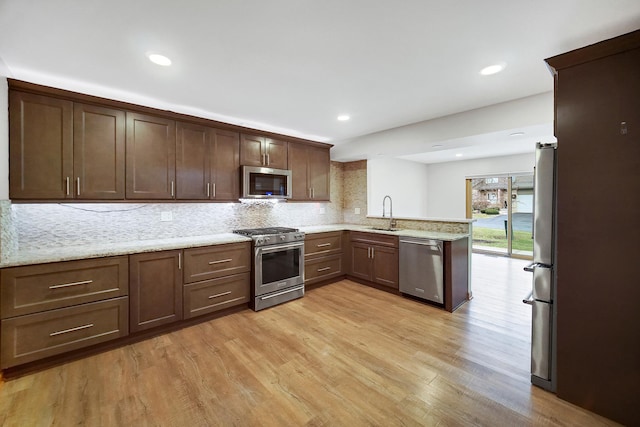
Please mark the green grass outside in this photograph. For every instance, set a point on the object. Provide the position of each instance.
(491, 237)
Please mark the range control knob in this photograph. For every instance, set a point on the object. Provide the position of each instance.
(266, 239)
(283, 237)
(260, 241)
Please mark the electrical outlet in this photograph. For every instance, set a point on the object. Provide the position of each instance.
(357, 211)
(322, 210)
(166, 216)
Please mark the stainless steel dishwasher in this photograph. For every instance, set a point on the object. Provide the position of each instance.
(421, 268)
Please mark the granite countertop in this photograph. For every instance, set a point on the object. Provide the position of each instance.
(99, 250)
(436, 235)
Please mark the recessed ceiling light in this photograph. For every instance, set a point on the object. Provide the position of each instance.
(493, 69)
(159, 59)
(343, 117)
(516, 134)
(459, 155)
(436, 145)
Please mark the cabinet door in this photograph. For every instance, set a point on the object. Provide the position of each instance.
(319, 172)
(40, 147)
(385, 266)
(225, 165)
(360, 261)
(98, 152)
(151, 157)
(252, 150)
(155, 289)
(276, 153)
(192, 161)
(301, 190)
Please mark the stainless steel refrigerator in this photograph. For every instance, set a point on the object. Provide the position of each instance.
(542, 294)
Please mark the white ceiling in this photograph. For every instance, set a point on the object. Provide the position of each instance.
(292, 66)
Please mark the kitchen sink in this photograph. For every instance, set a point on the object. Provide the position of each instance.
(385, 229)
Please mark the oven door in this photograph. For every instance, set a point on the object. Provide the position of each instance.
(278, 267)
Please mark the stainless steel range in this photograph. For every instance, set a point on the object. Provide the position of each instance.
(278, 265)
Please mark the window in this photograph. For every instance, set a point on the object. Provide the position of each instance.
(492, 197)
(491, 180)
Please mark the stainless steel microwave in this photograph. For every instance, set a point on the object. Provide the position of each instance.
(265, 183)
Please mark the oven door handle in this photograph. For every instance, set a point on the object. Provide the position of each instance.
(276, 248)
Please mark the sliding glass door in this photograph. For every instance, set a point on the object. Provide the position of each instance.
(502, 206)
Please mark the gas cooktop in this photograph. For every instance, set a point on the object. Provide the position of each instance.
(265, 231)
(272, 235)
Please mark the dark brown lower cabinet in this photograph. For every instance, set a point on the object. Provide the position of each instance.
(155, 289)
(374, 258)
(39, 335)
(323, 268)
(213, 295)
(456, 273)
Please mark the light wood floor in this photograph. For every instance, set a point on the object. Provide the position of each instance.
(344, 355)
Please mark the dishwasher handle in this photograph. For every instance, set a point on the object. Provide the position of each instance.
(414, 242)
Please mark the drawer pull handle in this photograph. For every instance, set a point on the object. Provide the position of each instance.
(220, 262)
(66, 331)
(66, 285)
(324, 269)
(324, 245)
(219, 295)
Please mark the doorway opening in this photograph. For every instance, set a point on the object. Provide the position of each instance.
(502, 207)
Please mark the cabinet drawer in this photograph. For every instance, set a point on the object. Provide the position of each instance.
(35, 288)
(323, 244)
(216, 261)
(319, 269)
(36, 336)
(216, 294)
(374, 238)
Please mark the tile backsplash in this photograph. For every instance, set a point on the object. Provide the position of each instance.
(27, 227)
(48, 225)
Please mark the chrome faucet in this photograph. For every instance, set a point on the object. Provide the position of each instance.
(392, 223)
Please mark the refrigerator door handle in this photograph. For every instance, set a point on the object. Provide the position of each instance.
(529, 299)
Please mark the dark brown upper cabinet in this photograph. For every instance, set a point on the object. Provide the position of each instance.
(98, 152)
(71, 146)
(151, 157)
(40, 147)
(310, 169)
(207, 163)
(258, 150)
(65, 150)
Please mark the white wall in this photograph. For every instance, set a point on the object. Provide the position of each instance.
(405, 181)
(446, 197)
(4, 132)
